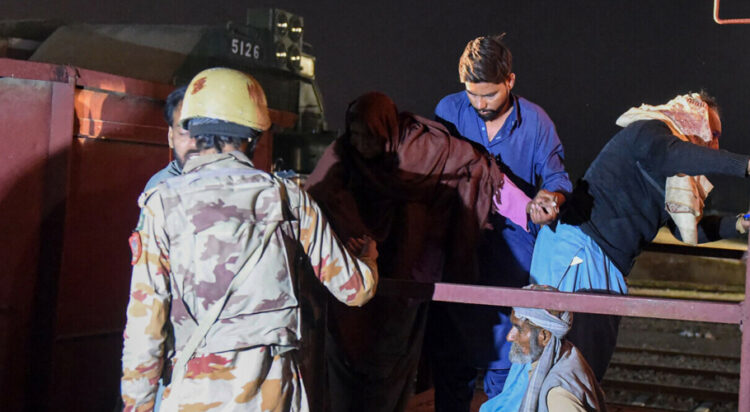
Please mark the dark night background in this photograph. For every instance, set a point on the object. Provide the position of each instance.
(584, 62)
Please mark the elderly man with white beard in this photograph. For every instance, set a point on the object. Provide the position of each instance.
(555, 376)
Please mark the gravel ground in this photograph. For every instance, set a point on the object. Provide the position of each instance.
(718, 383)
(691, 337)
(669, 402)
(677, 361)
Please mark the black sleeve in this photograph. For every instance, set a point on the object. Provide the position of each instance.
(711, 228)
(666, 154)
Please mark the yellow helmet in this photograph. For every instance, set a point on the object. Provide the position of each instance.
(226, 94)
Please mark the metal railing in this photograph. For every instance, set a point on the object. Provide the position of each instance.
(719, 20)
(687, 310)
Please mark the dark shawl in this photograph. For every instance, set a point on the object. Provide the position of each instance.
(424, 201)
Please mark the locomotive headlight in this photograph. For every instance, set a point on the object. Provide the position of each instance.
(282, 24)
(293, 57)
(295, 28)
(281, 53)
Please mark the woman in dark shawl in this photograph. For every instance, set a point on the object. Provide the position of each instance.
(423, 196)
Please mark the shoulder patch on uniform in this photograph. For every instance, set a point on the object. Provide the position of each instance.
(135, 247)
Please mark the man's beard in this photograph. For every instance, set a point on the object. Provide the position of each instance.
(487, 115)
(181, 160)
(516, 355)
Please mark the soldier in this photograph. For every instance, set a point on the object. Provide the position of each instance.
(214, 257)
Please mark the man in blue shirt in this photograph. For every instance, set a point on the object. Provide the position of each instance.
(182, 146)
(179, 139)
(523, 140)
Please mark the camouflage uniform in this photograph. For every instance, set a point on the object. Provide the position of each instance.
(196, 234)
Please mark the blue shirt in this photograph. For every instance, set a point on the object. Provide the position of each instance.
(527, 144)
(531, 155)
(170, 170)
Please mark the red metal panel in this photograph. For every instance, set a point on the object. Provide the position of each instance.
(35, 71)
(105, 180)
(87, 373)
(109, 84)
(282, 118)
(50, 256)
(133, 87)
(263, 152)
(25, 121)
(119, 117)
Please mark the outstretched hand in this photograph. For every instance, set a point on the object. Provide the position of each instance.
(744, 222)
(544, 208)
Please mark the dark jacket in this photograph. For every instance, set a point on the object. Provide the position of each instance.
(619, 202)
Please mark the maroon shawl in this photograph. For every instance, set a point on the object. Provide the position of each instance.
(424, 200)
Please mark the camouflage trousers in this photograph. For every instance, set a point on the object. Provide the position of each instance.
(248, 380)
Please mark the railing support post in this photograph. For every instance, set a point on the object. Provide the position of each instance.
(744, 390)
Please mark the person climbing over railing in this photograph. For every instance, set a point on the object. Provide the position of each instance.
(650, 174)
